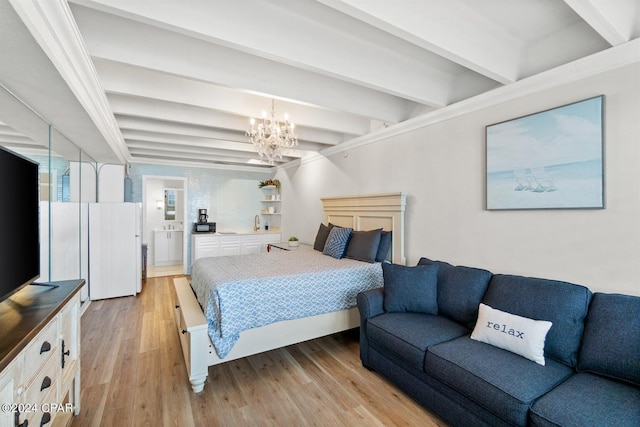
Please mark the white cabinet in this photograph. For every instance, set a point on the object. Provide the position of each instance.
(251, 245)
(212, 245)
(41, 383)
(9, 390)
(204, 245)
(168, 247)
(230, 245)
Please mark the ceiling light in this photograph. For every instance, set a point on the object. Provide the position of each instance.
(271, 137)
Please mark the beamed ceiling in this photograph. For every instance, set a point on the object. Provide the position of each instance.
(176, 82)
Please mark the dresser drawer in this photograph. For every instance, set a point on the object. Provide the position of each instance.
(43, 415)
(43, 346)
(44, 383)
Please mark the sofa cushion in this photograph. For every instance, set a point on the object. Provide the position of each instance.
(588, 400)
(460, 290)
(500, 381)
(561, 303)
(412, 289)
(407, 335)
(611, 341)
(516, 334)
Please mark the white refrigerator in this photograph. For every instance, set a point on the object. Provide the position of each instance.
(115, 250)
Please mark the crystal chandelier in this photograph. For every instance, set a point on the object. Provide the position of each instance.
(272, 138)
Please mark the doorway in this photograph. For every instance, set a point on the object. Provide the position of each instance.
(165, 230)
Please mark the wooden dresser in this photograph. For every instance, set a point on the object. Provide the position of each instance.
(40, 355)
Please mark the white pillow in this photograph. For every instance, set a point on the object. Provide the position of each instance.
(516, 334)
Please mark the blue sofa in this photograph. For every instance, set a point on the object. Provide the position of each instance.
(416, 331)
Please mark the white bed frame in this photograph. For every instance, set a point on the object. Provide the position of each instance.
(367, 212)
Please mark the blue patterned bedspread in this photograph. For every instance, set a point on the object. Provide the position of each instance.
(248, 291)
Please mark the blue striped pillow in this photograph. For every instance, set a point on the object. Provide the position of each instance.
(337, 242)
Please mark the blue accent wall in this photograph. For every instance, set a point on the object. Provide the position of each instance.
(231, 197)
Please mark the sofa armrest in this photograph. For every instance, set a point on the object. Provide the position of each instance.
(370, 303)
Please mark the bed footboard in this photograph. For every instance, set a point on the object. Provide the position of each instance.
(192, 329)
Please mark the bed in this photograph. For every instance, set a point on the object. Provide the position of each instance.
(247, 331)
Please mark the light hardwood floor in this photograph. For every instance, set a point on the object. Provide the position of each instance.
(133, 374)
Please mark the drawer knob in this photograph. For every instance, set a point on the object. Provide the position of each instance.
(17, 420)
(46, 346)
(177, 306)
(184, 331)
(46, 383)
(46, 418)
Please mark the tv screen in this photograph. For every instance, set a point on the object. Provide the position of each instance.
(20, 222)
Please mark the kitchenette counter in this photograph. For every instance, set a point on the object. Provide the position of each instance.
(236, 233)
(224, 243)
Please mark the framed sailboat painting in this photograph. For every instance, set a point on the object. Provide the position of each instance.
(552, 159)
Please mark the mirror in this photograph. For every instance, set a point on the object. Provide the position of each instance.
(169, 204)
(172, 204)
(62, 168)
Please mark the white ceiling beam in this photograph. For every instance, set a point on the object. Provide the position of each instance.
(197, 163)
(124, 105)
(202, 60)
(7, 130)
(612, 19)
(18, 139)
(125, 79)
(132, 121)
(177, 129)
(186, 141)
(139, 146)
(186, 133)
(186, 156)
(203, 143)
(446, 28)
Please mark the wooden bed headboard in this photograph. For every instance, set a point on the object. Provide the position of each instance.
(369, 212)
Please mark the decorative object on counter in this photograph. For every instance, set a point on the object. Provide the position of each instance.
(293, 241)
(272, 138)
(269, 182)
(202, 216)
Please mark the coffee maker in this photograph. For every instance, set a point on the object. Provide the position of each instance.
(202, 226)
(202, 216)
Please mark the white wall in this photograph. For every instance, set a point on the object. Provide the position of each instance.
(441, 167)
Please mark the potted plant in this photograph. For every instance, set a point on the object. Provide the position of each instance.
(270, 182)
(293, 241)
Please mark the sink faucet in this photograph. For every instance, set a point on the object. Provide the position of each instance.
(256, 223)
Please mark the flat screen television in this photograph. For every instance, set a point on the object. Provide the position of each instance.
(20, 222)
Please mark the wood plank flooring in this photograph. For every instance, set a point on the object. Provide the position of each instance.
(133, 374)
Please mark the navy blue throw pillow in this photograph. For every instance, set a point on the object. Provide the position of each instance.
(321, 236)
(384, 247)
(337, 242)
(413, 289)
